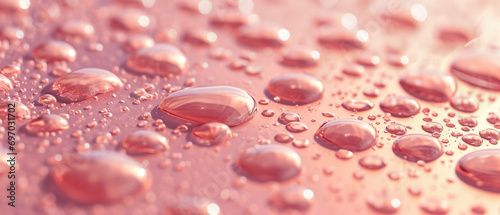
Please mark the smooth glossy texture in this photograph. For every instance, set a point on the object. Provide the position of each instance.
(429, 85)
(159, 59)
(296, 87)
(350, 134)
(417, 147)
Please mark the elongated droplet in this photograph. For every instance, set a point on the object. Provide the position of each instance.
(358, 105)
(145, 142)
(85, 83)
(296, 88)
(18, 109)
(432, 127)
(159, 59)
(270, 163)
(435, 206)
(383, 202)
(75, 29)
(200, 37)
(468, 121)
(299, 56)
(342, 38)
(479, 68)
(131, 20)
(293, 197)
(395, 128)
(100, 176)
(372, 162)
(400, 106)
(350, 134)
(472, 139)
(225, 104)
(47, 123)
(5, 83)
(287, 117)
(416, 147)
(481, 169)
(490, 134)
(429, 85)
(296, 127)
(263, 35)
(211, 134)
(138, 41)
(55, 50)
(194, 205)
(14, 6)
(464, 104)
(232, 18)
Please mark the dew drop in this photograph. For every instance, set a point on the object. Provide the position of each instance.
(299, 56)
(383, 202)
(358, 105)
(21, 111)
(144, 142)
(270, 163)
(100, 176)
(489, 134)
(472, 139)
(396, 128)
(200, 37)
(481, 169)
(343, 38)
(429, 85)
(372, 162)
(434, 205)
(76, 29)
(194, 205)
(47, 123)
(225, 104)
(468, 121)
(350, 134)
(432, 127)
(85, 83)
(478, 68)
(283, 137)
(293, 197)
(131, 20)
(296, 88)
(54, 50)
(138, 41)
(287, 117)
(464, 104)
(296, 127)
(211, 134)
(400, 106)
(5, 84)
(416, 147)
(263, 35)
(159, 59)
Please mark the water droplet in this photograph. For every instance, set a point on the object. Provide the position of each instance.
(293, 197)
(416, 147)
(211, 134)
(47, 123)
(270, 163)
(383, 202)
(464, 104)
(432, 127)
(194, 205)
(472, 139)
(287, 117)
(400, 106)
(358, 105)
(21, 111)
(299, 56)
(343, 38)
(468, 121)
(75, 29)
(55, 50)
(479, 68)
(268, 113)
(100, 176)
(353, 70)
(200, 37)
(344, 154)
(489, 134)
(138, 41)
(429, 85)
(15, 5)
(301, 143)
(434, 205)
(159, 59)
(5, 84)
(296, 127)
(350, 134)
(85, 83)
(225, 104)
(396, 128)
(263, 35)
(233, 18)
(296, 88)
(283, 137)
(481, 169)
(372, 162)
(131, 20)
(144, 142)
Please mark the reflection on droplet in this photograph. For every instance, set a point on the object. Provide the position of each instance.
(194, 205)
(296, 127)
(479, 68)
(293, 197)
(55, 50)
(383, 202)
(343, 38)
(287, 117)
(396, 128)
(131, 20)
(372, 162)
(145, 142)
(100, 176)
(350, 134)
(159, 59)
(358, 105)
(296, 87)
(481, 169)
(400, 106)
(299, 56)
(47, 123)
(490, 134)
(434, 205)
(429, 85)
(419, 12)
(464, 104)
(5, 83)
(21, 111)
(270, 163)
(472, 139)
(211, 134)
(200, 37)
(416, 147)
(85, 83)
(468, 121)
(263, 34)
(138, 41)
(432, 127)
(225, 104)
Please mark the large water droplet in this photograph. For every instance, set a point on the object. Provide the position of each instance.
(472, 139)
(481, 169)
(100, 176)
(85, 83)
(299, 56)
(263, 35)
(145, 142)
(343, 38)
(20, 110)
(194, 205)
(358, 105)
(211, 134)
(400, 106)
(416, 147)
(429, 85)
(372, 162)
(5, 83)
(490, 134)
(434, 206)
(14, 5)
(479, 68)
(464, 104)
(76, 29)
(270, 163)
(55, 50)
(131, 20)
(350, 134)
(383, 202)
(296, 88)
(159, 59)
(47, 123)
(293, 197)
(225, 104)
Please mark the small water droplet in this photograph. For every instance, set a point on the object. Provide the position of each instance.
(429, 85)
(55, 50)
(400, 106)
(434, 205)
(432, 127)
(350, 134)
(416, 147)
(396, 128)
(159, 59)
(47, 123)
(145, 142)
(293, 197)
(472, 139)
(358, 105)
(299, 56)
(211, 134)
(372, 162)
(464, 104)
(296, 88)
